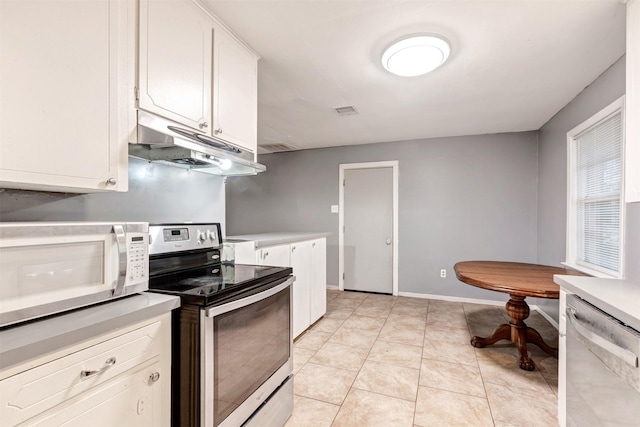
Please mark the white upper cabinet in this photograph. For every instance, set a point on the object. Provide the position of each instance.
(632, 101)
(174, 73)
(63, 116)
(235, 92)
(194, 72)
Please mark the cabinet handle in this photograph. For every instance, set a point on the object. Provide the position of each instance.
(266, 254)
(203, 125)
(313, 245)
(217, 131)
(293, 248)
(154, 377)
(107, 364)
(112, 181)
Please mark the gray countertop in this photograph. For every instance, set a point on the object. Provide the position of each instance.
(23, 342)
(262, 240)
(619, 298)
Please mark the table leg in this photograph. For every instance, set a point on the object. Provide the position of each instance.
(517, 332)
(502, 332)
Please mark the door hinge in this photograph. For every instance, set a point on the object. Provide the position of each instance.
(136, 93)
(342, 276)
(344, 182)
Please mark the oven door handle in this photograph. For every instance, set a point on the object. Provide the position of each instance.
(621, 353)
(233, 305)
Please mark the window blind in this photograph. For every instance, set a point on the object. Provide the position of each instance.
(598, 180)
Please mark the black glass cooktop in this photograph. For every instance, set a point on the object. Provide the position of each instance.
(217, 283)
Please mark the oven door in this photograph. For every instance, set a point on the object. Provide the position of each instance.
(246, 354)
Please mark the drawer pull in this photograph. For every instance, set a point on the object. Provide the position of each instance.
(107, 364)
(154, 377)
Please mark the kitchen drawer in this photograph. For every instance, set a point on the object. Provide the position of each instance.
(31, 392)
(130, 399)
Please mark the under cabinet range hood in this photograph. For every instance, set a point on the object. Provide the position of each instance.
(163, 141)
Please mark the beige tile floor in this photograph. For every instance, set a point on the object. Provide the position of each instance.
(383, 361)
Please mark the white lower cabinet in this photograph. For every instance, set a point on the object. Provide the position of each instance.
(301, 265)
(318, 277)
(114, 380)
(308, 259)
(277, 256)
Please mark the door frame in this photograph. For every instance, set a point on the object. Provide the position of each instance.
(394, 164)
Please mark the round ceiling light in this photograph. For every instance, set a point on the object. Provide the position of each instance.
(415, 55)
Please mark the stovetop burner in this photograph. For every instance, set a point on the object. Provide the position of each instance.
(206, 285)
(184, 260)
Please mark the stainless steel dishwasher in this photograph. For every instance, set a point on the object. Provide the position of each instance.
(603, 378)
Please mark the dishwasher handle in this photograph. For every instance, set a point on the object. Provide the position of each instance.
(627, 356)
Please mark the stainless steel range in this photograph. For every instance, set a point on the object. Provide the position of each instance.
(232, 337)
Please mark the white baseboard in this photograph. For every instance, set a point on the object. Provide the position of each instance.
(333, 287)
(545, 315)
(453, 299)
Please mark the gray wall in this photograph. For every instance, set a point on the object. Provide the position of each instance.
(460, 198)
(552, 173)
(156, 193)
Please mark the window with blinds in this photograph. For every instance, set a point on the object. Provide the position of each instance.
(596, 205)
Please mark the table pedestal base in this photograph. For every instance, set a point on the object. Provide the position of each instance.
(517, 332)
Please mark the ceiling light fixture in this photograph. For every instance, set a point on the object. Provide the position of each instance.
(415, 55)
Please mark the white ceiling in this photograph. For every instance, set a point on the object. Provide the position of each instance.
(514, 64)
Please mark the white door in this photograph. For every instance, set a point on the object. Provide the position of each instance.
(368, 229)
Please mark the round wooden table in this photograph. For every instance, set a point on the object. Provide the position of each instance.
(519, 280)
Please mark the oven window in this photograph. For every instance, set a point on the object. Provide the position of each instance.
(250, 344)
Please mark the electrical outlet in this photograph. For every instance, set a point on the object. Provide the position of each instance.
(334, 208)
(443, 273)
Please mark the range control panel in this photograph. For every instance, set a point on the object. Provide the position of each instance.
(167, 238)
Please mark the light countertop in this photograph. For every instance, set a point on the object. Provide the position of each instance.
(23, 342)
(618, 298)
(273, 239)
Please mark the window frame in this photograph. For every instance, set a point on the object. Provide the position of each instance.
(571, 239)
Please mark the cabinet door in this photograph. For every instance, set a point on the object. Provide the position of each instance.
(132, 399)
(63, 110)
(175, 62)
(301, 265)
(107, 380)
(235, 92)
(318, 291)
(632, 101)
(277, 256)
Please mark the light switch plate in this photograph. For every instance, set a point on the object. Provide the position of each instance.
(334, 208)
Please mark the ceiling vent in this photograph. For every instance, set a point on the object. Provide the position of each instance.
(346, 111)
(276, 148)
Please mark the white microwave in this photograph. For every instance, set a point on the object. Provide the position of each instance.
(51, 267)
